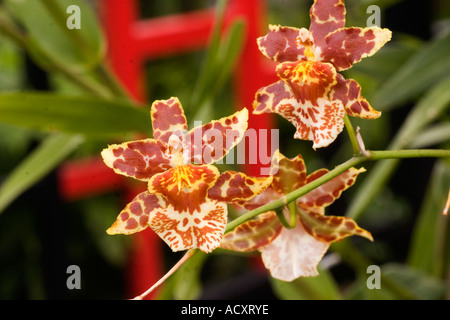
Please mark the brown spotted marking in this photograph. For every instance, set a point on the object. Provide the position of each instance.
(211, 142)
(253, 234)
(139, 159)
(237, 187)
(326, 16)
(347, 46)
(167, 118)
(134, 217)
(331, 228)
(280, 44)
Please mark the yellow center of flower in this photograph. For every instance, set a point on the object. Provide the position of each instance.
(181, 175)
(175, 151)
(305, 40)
(304, 73)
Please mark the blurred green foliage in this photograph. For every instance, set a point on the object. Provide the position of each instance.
(40, 234)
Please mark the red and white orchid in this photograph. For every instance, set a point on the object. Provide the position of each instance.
(296, 252)
(186, 200)
(311, 94)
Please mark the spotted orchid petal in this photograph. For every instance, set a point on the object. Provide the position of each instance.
(281, 44)
(140, 159)
(211, 142)
(346, 46)
(135, 216)
(185, 187)
(349, 92)
(291, 174)
(328, 192)
(253, 234)
(326, 16)
(293, 253)
(320, 122)
(237, 187)
(202, 228)
(167, 118)
(331, 228)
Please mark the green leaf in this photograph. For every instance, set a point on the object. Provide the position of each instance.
(39, 163)
(45, 24)
(418, 74)
(428, 245)
(91, 116)
(322, 287)
(432, 135)
(429, 108)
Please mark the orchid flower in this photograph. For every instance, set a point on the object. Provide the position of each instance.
(186, 199)
(311, 94)
(295, 252)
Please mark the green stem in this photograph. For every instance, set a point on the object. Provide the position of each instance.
(352, 135)
(411, 153)
(371, 155)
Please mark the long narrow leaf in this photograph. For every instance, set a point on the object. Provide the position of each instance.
(39, 163)
(93, 117)
(419, 73)
(427, 251)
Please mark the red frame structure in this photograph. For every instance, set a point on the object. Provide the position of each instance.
(133, 41)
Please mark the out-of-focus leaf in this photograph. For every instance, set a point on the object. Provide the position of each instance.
(433, 135)
(429, 245)
(91, 116)
(47, 30)
(427, 109)
(422, 71)
(39, 163)
(322, 287)
(228, 54)
(219, 62)
(399, 282)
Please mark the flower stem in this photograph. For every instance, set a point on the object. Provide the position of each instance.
(352, 135)
(189, 254)
(356, 160)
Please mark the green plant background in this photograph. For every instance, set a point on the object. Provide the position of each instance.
(56, 105)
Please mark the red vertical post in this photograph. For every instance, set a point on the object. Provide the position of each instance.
(119, 17)
(253, 71)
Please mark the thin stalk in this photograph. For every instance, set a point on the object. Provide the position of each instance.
(296, 193)
(371, 155)
(411, 153)
(189, 254)
(352, 135)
